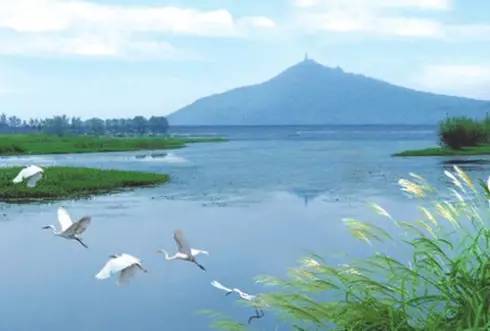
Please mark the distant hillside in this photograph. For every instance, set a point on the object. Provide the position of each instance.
(310, 93)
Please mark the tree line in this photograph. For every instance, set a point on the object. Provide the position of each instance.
(62, 125)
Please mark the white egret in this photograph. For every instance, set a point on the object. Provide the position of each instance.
(259, 313)
(32, 174)
(68, 228)
(124, 264)
(184, 252)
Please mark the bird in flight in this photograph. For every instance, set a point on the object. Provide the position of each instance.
(124, 264)
(32, 174)
(184, 252)
(68, 228)
(259, 313)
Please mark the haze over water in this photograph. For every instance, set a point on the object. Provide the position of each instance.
(257, 202)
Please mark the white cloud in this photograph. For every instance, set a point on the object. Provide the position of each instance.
(257, 22)
(89, 46)
(374, 17)
(371, 4)
(338, 21)
(58, 15)
(86, 28)
(466, 80)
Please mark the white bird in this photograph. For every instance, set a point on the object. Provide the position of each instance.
(32, 174)
(488, 184)
(68, 228)
(124, 264)
(259, 313)
(184, 252)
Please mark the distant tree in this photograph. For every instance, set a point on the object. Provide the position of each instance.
(61, 125)
(158, 124)
(95, 126)
(14, 121)
(140, 125)
(58, 125)
(76, 125)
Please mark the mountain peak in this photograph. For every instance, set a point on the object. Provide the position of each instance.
(311, 93)
(309, 68)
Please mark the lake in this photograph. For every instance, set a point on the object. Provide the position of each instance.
(257, 203)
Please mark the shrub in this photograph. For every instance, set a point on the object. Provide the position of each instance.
(460, 132)
(444, 286)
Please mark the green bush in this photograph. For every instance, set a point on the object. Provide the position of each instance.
(444, 284)
(461, 132)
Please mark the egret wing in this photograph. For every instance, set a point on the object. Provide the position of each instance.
(116, 264)
(26, 173)
(182, 244)
(220, 286)
(244, 295)
(20, 176)
(32, 180)
(32, 169)
(126, 274)
(64, 219)
(196, 252)
(79, 227)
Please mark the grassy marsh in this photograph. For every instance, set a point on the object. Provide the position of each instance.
(31, 144)
(447, 151)
(68, 183)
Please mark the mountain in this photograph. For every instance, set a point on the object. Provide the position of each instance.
(310, 93)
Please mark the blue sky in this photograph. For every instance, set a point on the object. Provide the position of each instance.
(120, 58)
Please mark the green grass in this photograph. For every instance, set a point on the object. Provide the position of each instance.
(67, 183)
(446, 151)
(20, 144)
(441, 283)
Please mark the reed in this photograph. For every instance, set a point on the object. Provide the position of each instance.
(444, 285)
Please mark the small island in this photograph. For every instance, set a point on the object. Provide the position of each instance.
(71, 183)
(459, 136)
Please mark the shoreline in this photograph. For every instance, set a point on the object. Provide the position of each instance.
(41, 144)
(445, 151)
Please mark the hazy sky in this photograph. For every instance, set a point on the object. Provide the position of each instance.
(118, 58)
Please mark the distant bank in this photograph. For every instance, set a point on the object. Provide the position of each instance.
(31, 144)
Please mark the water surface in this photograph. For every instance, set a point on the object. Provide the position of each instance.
(257, 202)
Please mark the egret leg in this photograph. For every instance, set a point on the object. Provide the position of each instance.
(81, 242)
(200, 266)
(259, 313)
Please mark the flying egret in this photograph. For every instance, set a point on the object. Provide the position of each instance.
(32, 174)
(259, 313)
(124, 264)
(184, 253)
(68, 228)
